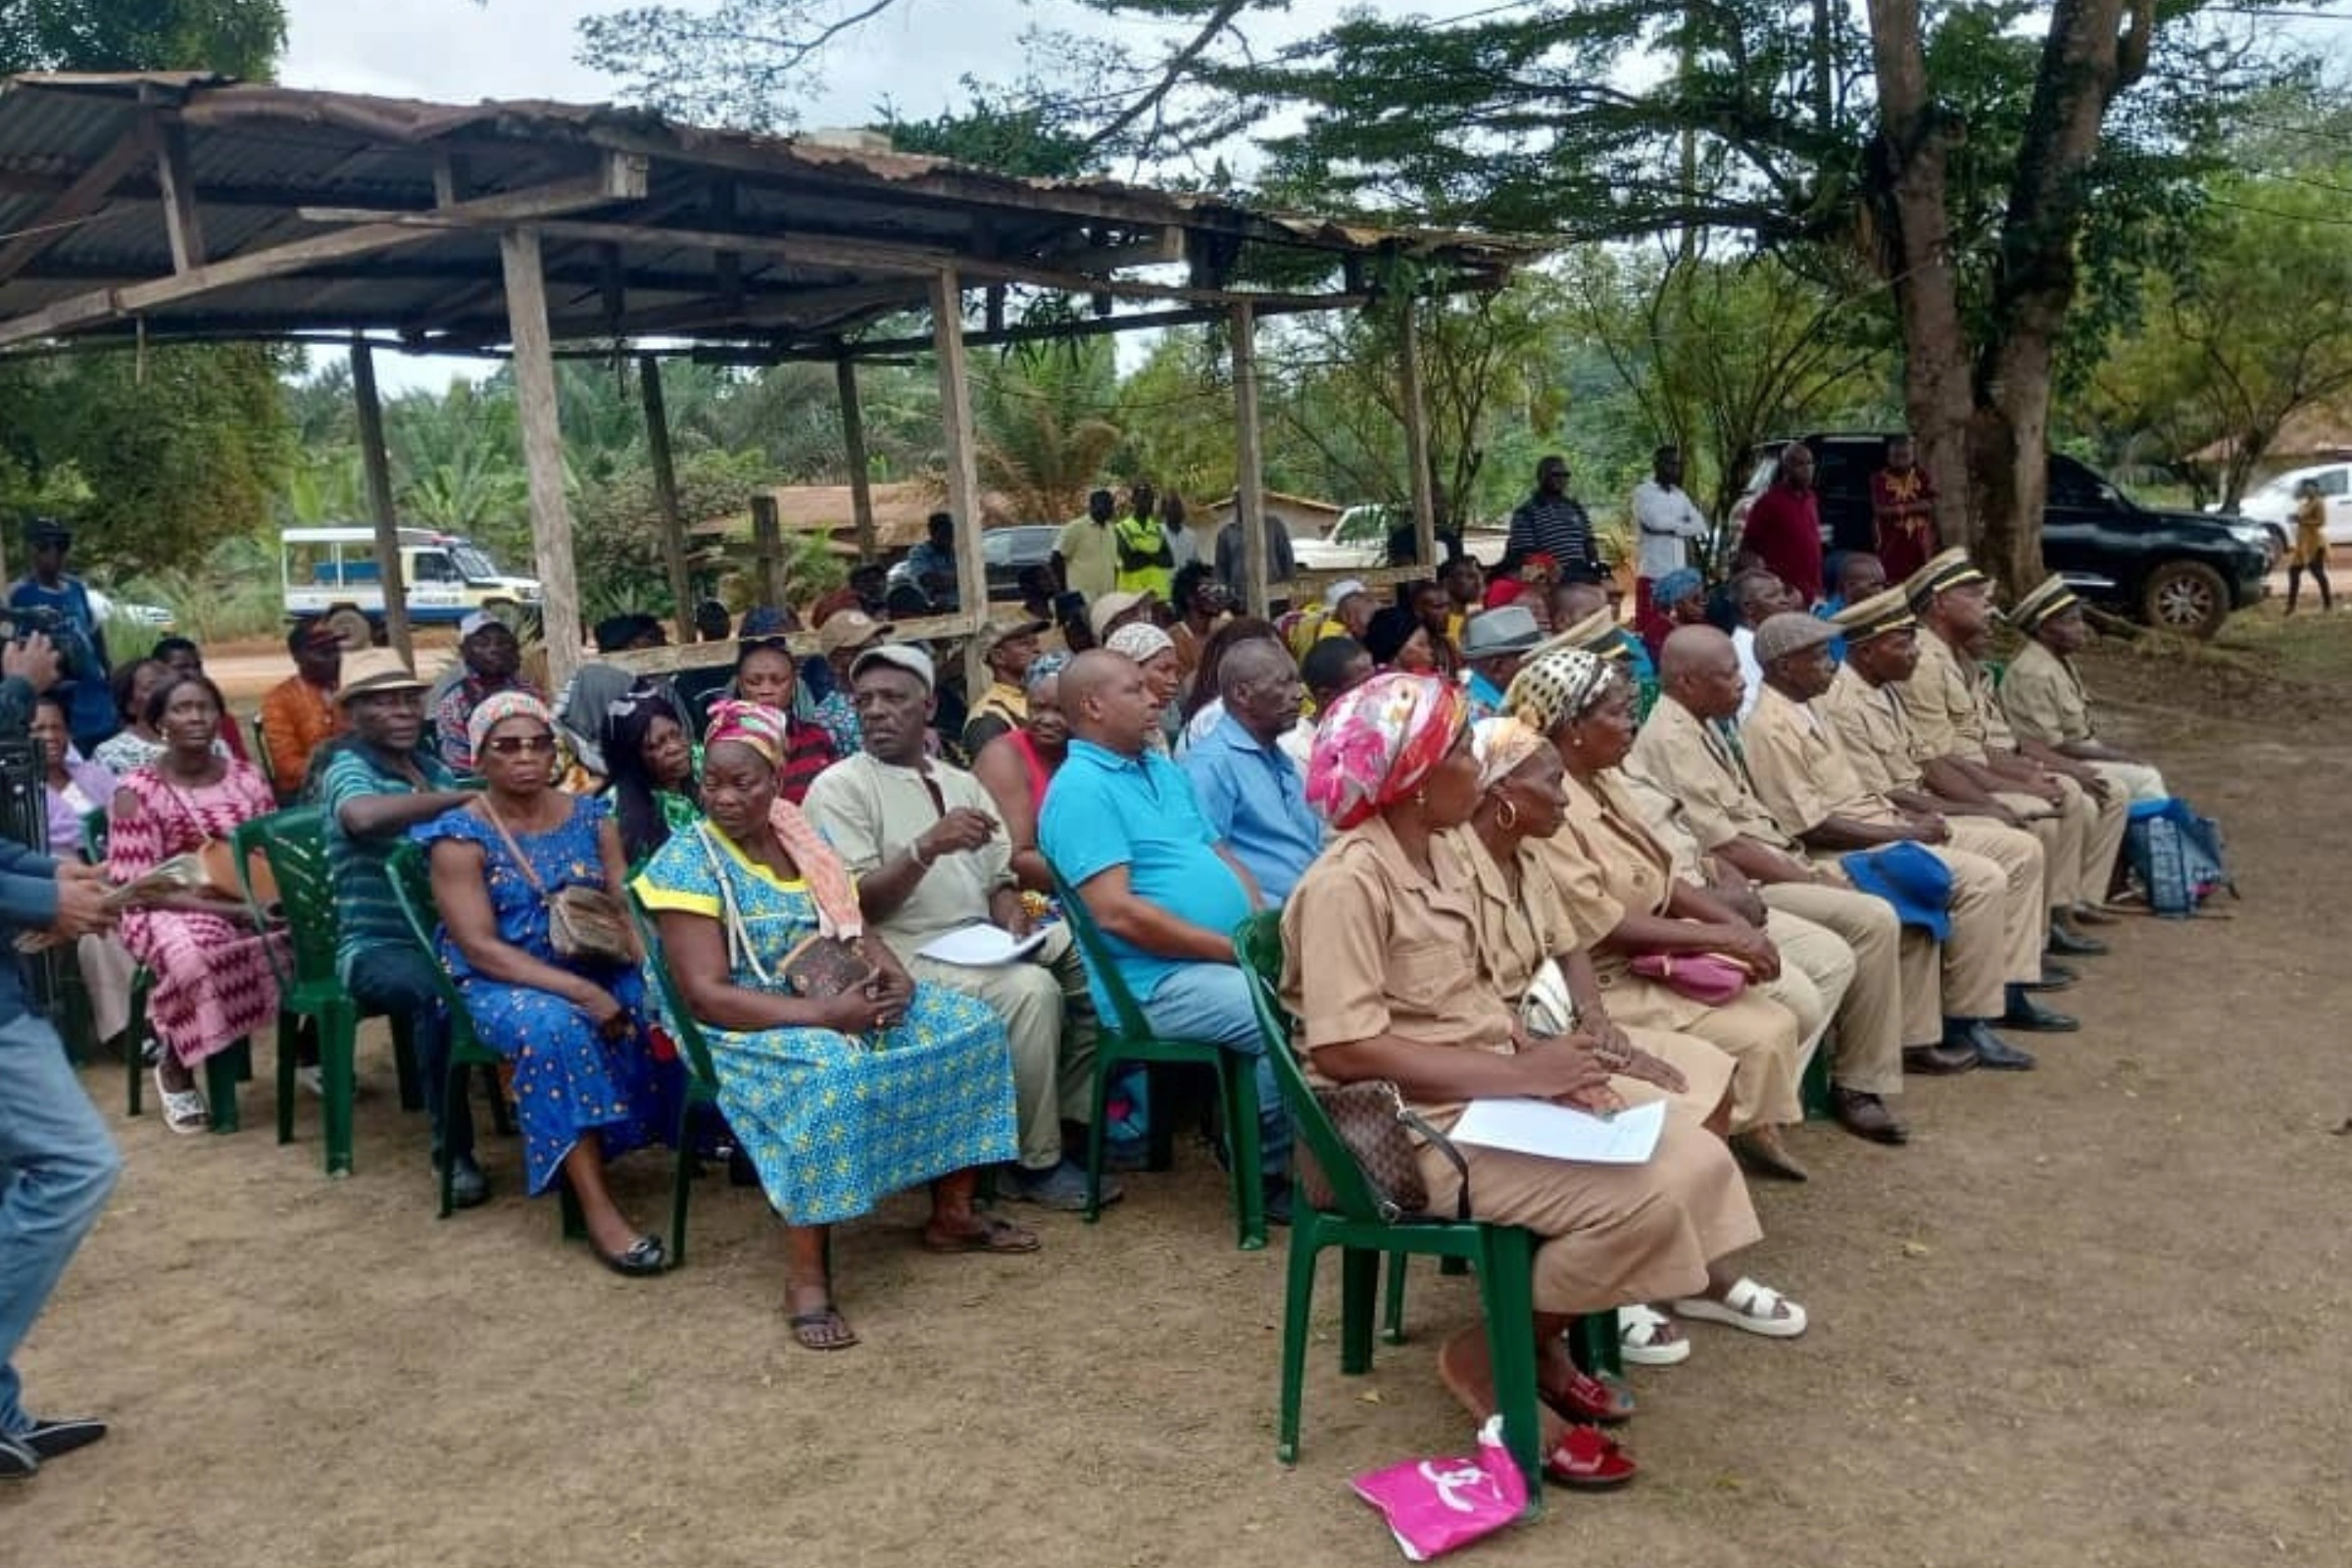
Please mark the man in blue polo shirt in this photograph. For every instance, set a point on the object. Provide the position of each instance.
(1122, 827)
(1250, 793)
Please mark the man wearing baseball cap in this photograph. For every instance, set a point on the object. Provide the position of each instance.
(845, 635)
(72, 624)
(300, 714)
(492, 657)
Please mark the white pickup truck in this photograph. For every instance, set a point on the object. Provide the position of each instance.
(1359, 542)
(447, 575)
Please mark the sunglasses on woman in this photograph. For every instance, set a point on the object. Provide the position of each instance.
(523, 744)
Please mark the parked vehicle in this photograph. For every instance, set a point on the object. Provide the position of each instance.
(2182, 570)
(1358, 541)
(2273, 502)
(1009, 551)
(448, 577)
(146, 618)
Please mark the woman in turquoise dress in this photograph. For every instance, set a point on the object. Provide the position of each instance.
(839, 1101)
(587, 1088)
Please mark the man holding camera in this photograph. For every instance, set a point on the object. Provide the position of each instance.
(57, 1164)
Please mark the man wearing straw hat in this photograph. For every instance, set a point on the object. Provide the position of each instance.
(2043, 698)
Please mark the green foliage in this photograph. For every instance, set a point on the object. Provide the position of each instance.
(616, 527)
(240, 37)
(1045, 414)
(235, 591)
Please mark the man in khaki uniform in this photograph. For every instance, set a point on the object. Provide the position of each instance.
(1969, 755)
(2044, 698)
(1803, 776)
(1893, 1011)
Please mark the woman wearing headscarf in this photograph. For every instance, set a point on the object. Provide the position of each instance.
(1617, 885)
(584, 711)
(1523, 926)
(1399, 641)
(587, 1089)
(1156, 650)
(1389, 915)
(839, 1098)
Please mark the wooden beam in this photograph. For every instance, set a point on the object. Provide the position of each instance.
(378, 467)
(183, 225)
(1248, 462)
(1416, 440)
(853, 441)
(768, 552)
(963, 467)
(666, 491)
(542, 452)
(85, 195)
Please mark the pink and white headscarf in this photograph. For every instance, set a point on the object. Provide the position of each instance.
(1379, 742)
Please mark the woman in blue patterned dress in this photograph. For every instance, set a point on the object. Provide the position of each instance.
(586, 1087)
(839, 1101)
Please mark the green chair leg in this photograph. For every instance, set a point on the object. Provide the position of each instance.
(338, 1051)
(1394, 1314)
(1298, 1307)
(1237, 1080)
(223, 1070)
(1359, 1274)
(134, 1034)
(1813, 1089)
(1595, 1346)
(575, 1223)
(681, 1181)
(289, 1037)
(404, 1064)
(1100, 1108)
(1505, 1282)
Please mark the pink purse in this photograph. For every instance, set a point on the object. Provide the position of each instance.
(1434, 1505)
(1707, 977)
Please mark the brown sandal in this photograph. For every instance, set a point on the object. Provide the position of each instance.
(995, 1235)
(821, 1330)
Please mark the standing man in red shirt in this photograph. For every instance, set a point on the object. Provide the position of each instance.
(1784, 526)
(1903, 506)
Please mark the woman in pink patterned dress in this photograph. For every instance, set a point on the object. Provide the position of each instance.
(214, 979)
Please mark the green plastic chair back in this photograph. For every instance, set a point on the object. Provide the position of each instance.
(292, 843)
(93, 835)
(701, 1075)
(1257, 942)
(1126, 1012)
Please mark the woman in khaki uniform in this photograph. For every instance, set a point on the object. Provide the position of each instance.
(1391, 919)
(1616, 882)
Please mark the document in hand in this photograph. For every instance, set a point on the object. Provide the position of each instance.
(980, 946)
(1558, 1132)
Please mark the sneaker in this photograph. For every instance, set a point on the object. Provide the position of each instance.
(1063, 1188)
(52, 1438)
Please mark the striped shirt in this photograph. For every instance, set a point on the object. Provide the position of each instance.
(366, 912)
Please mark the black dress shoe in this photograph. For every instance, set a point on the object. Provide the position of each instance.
(2071, 944)
(17, 1461)
(2054, 977)
(50, 1438)
(1955, 1054)
(1996, 1053)
(1866, 1116)
(468, 1188)
(2032, 1018)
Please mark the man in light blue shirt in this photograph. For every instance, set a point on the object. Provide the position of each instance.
(1122, 827)
(1493, 646)
(1250, 793)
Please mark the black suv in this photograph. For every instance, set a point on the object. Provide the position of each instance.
(2182, 570)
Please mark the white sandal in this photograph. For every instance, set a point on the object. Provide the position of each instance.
(1757, 1308)
(183, 1109)
(1641, 1337)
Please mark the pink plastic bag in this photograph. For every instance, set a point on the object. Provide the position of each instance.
(1434, 1505)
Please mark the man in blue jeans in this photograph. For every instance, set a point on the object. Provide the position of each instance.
(1123, 828)
(57, 1164)
(383, 781)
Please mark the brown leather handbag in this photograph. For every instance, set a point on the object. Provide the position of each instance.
(1373, 1120)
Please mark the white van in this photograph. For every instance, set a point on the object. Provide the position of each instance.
(448, 577)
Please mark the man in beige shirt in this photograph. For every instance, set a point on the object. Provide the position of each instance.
(1893, 1011)
(2044, 698)
(1804, 777)
(1970, 757)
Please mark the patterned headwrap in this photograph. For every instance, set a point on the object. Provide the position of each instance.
(1043, 668)
(1140, 640)
(1379, 742)
(752, 724)
(1676, 586)
(1559, 684)
(1501, 745)
(499, 707)
(764, 730)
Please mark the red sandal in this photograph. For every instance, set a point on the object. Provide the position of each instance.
(1585, 1398)
(1588, 1460)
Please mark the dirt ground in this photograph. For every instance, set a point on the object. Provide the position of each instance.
(2091, 1316)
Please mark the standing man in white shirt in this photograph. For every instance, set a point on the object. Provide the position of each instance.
(1665, 519)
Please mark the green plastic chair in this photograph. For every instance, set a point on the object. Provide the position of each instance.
(413, 890)
(1125, 1039)
(701, 1077)
(309, 990)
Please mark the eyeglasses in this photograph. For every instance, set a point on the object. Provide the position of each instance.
(523, 744)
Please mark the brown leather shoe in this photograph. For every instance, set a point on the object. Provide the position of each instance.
(1760, 1149)
(1938, 1061)
(1866, 1116)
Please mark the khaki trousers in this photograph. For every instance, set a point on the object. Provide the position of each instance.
(1758, 1034)
(1050, 1025)
(1815, 970)
(2062, 832)
(1869, 1012)
(1611, 1234)
(1706, 1072)
(2103, 838)
(2026, 916)
(2134, 781)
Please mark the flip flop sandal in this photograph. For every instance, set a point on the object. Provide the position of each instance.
(822, 1330)
(993, 1236)
(1757, 1308)
(1640, 1337)
(1585, 1398)
(1587, 1460)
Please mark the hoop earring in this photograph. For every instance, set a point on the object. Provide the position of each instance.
(1506, 815)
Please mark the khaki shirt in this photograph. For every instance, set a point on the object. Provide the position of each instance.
(1946, 719)
(1874, 728)
(1801, 770)
(1605, 865)
(1663, 815)
(869, 810)
(1697, 766)
(2043, 698)
(1521, 921)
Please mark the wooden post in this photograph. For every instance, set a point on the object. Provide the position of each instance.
(767, 551)
(963, 471)
(666, 491)
(853, 440)
(377, 467)
(1416, 444)
(1248, 462)
(542, 451)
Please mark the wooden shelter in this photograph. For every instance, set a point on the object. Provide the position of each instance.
(183, 206)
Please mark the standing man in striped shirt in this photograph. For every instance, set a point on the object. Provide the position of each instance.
(1553, 523)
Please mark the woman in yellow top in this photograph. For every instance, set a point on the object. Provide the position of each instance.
(2308, 552)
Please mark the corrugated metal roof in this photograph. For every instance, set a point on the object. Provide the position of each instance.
(274, 165)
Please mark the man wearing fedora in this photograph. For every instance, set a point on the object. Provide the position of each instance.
(2044, 698)
(1493, 645)
(1008, 650)
(380, 782)
(72, 624)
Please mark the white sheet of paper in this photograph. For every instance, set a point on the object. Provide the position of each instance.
(1561, 1131)
(980, 946)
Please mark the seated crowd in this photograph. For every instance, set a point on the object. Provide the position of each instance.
(1518, 850)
